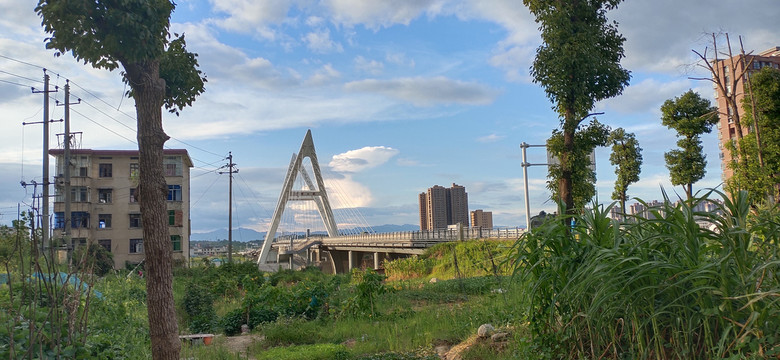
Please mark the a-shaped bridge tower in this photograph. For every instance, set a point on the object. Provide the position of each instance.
(315, 193)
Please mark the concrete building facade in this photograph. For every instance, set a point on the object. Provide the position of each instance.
(440, 207)
(482, 219)
(105, 208)
(747, 64)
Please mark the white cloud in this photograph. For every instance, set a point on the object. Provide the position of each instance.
(490, 138)
(249, 16)
(324, 75)
(428, 91)
(646, 96)
(361, 159)
(372, 67)
(376, 14)
(399, 59)
(320, 42)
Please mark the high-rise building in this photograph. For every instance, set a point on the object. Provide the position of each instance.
(104, 202)
(482, 219)
(440, 207)
(741, 64)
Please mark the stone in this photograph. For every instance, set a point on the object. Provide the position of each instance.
(433, 280)
(245, 329)
(485, 330)
(499, 337)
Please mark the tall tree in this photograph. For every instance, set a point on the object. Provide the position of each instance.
(160, 72)
(690, 115)
(578, 64)
(587, 138)
(762, 110)
(626, 156)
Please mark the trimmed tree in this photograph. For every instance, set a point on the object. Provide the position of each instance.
(578, 64)
(690, 115)
(626, 156)
(587, 138)
(160, 72)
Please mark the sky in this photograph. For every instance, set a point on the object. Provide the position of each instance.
(399, 95)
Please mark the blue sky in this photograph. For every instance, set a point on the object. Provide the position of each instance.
(400, 96)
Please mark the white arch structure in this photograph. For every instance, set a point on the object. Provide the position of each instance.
(316, 193)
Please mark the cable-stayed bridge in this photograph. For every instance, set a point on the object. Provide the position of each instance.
(337, 252)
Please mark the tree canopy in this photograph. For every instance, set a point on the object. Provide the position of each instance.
(761, 180)
(587, 138)
(689, 115)
(626, 156)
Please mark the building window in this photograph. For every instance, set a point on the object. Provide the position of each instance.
(79, 194)
(104, 196)
(176, 242)
(136, 246)
(105, 170)
(104, 221)
(174, 218)
(133, 196)
(79, 219)
(105, 243)
(172, 165)
(174, 192)
(135, 220)
(133, 170)
(78, 242)
(59, 220)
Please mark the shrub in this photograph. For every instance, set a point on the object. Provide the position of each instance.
(232, 321)
(93, 258)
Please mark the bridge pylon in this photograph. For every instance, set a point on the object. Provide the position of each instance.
(315, 193)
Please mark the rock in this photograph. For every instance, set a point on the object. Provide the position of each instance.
(433, 280)
(485, 330)
(498, 291)
(245, 329)
(349, 343)
(499, 337)
(442, 350)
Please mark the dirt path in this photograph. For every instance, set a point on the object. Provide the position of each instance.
(239, 344)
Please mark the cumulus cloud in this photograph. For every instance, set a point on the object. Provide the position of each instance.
(428, 91)
(248, 16)
(646, 96)
(376, 14)
(326, 74)
(358, 160)
(320, 42)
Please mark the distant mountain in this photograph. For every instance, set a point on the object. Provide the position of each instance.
(244, 234)
(387, 228)
(240, 234)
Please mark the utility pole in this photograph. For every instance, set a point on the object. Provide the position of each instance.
(45, 215)
(66, 171)
(230, 165)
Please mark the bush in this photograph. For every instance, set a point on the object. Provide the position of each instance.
(93, 258)
(232, 321)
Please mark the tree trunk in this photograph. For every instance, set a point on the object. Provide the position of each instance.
(565, 184)
(149, 91)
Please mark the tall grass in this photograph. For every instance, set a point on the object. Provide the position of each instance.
(678, 284)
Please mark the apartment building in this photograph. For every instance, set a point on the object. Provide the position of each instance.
(104, 202)
(482, 219)
(440, 207)
(741, 64)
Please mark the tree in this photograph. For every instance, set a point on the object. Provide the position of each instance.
(760, 174)
(690, 115)
(587, 138)
(725, 74)
(627, 157)
(160, 72)
(578, 64)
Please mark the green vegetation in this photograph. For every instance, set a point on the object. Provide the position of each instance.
(656, 288)
(682, 284)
